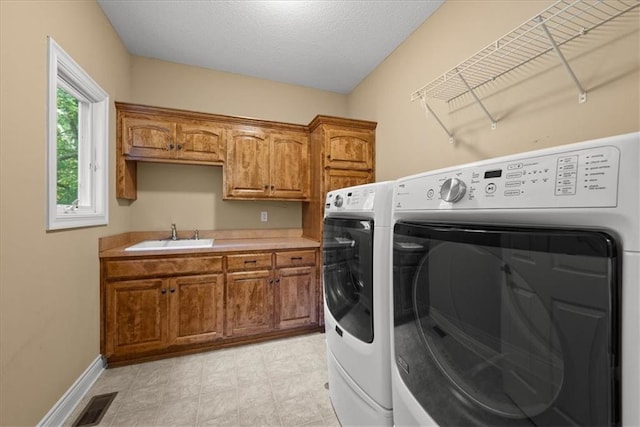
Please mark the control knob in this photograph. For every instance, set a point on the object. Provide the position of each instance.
(452, 190)
(339, 201)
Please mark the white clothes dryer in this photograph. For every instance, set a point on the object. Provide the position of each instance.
(356, 280)
(516, 289)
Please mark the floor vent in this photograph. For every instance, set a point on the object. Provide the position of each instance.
(95, 410)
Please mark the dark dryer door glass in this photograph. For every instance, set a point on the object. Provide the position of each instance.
(497, 326)
(348, 274)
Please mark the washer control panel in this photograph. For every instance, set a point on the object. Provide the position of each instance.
(350, 199)
(578, 178)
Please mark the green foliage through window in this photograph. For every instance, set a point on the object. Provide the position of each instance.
(67, 147)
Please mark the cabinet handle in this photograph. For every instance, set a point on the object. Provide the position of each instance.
(329, 156)
(253, 261)
(170, 147)
(179, 146)
(277, 281)
(273, 186)
(172, 290)
(271, 281)
(266, 187)
(163, 291)
(296, 258)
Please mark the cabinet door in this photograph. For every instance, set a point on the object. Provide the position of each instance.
(289, 166)
(201, 142)
(247, 166)
(148, 138)
(296, 297)
(196, 305)
(250, 302)
(349, 149)
(136, 316)
(339, 178)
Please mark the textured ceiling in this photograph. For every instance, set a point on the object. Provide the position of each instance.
(329, 45)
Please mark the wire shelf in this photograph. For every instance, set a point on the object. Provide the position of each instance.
(560, 23)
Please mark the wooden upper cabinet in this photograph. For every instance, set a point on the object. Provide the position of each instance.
(247, 172)
(201, 141)
(341, 178)
(289, 165)
(262, 159)
(342, 155)
(149, 138)
(267, 165)
(349, 149)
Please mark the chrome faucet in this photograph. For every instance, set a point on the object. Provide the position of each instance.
(196, 234)
(174, 232)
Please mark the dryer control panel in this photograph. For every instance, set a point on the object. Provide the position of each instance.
(356, 198)
(563, 179)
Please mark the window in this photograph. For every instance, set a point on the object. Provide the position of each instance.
(77, 194)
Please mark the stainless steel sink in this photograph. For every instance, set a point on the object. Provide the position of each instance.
(160, 245)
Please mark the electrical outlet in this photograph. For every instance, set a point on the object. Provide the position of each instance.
(264, 216)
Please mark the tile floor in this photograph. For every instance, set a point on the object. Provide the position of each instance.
(276, 383)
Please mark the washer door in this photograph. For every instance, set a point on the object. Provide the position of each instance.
(508, 327)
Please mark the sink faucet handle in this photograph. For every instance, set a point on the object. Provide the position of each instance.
(196, 234)
(174, 232)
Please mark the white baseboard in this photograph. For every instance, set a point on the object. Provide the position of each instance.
(68, 402)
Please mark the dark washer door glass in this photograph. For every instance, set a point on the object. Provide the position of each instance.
(498, 326)
(348, 274)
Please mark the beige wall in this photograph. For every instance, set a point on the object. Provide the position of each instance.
(49, 282)
(536, 106)
(190, 196)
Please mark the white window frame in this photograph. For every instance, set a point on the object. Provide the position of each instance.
(93, 163)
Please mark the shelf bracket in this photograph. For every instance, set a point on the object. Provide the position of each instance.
(429, 110)
(582, 94)
(493, 121)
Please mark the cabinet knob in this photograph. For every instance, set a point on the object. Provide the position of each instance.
(172, 290)
(271, 281)
(273, 186)
(163, 291)
(266, 187)
(170, 147)
(179, 147)
(277, 281)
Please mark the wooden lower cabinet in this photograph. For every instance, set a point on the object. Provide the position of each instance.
(296, 303)
(250, 302)
(246, 297)
(152, 314)
(271, 294)
(296, 288)
(136, 320)
(196, 309)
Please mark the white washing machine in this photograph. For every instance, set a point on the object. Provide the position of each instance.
(356, 280)
(516, 289)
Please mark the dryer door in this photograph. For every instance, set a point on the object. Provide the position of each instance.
(497, 326)
(348, 274)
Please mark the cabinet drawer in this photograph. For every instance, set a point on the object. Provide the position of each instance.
(163, 267)
(249, 261)
(295, 258)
